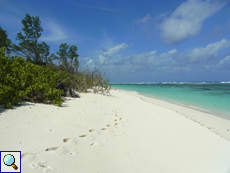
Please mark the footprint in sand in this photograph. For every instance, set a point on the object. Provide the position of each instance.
(28, 156)
(52, 149)
(62, 151)
(70, 140)
(94, 144)
(104, 129)
(42, 166)
(91, 130)
(66, 140)
(108, 125)
(82, 136)
(24, 155)
(58, 150)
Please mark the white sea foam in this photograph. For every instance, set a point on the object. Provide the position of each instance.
(225, 82)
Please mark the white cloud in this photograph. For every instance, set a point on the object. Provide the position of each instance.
(86, 62)
(143, 20)
(225, 63)
(142, 58)
(102, 60)
(56, 33)
(89, 62)
(116, 49)
(150, 61)
(201, 53)
(172, 60)
(105, 56)
(187, 20)
(169, 53)
(201, 59)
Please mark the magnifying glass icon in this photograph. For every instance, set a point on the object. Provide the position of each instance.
(9, 160)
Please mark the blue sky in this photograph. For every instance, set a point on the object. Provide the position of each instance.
(135, 41)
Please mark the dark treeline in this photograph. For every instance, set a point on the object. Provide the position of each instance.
(29, 73)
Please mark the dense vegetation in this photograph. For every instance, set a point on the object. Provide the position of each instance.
(4, 41)
(27, 72)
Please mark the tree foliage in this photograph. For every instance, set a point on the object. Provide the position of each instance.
(4, 41)
(28, 46)
(39, 79)
(67, 58)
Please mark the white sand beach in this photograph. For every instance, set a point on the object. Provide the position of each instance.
(121, 133)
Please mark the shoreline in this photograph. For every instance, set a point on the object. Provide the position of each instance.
(218, 124)
(216, 105)
(205, 110)
(118, 133)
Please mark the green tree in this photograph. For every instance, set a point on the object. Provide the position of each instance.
(4, 41)
(28, 46)
(67, 58)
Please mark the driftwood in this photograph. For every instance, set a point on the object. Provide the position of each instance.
(71, 93)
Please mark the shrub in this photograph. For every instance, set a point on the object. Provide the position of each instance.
(20, 80)
(95, 80)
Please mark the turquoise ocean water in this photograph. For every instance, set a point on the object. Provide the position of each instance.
(211, 96)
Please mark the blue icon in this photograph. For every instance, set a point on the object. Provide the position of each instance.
(9, 160)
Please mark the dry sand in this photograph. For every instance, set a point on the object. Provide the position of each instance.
(122, 133)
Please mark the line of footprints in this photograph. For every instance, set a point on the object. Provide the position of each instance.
(105, 128)
(64, 151)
